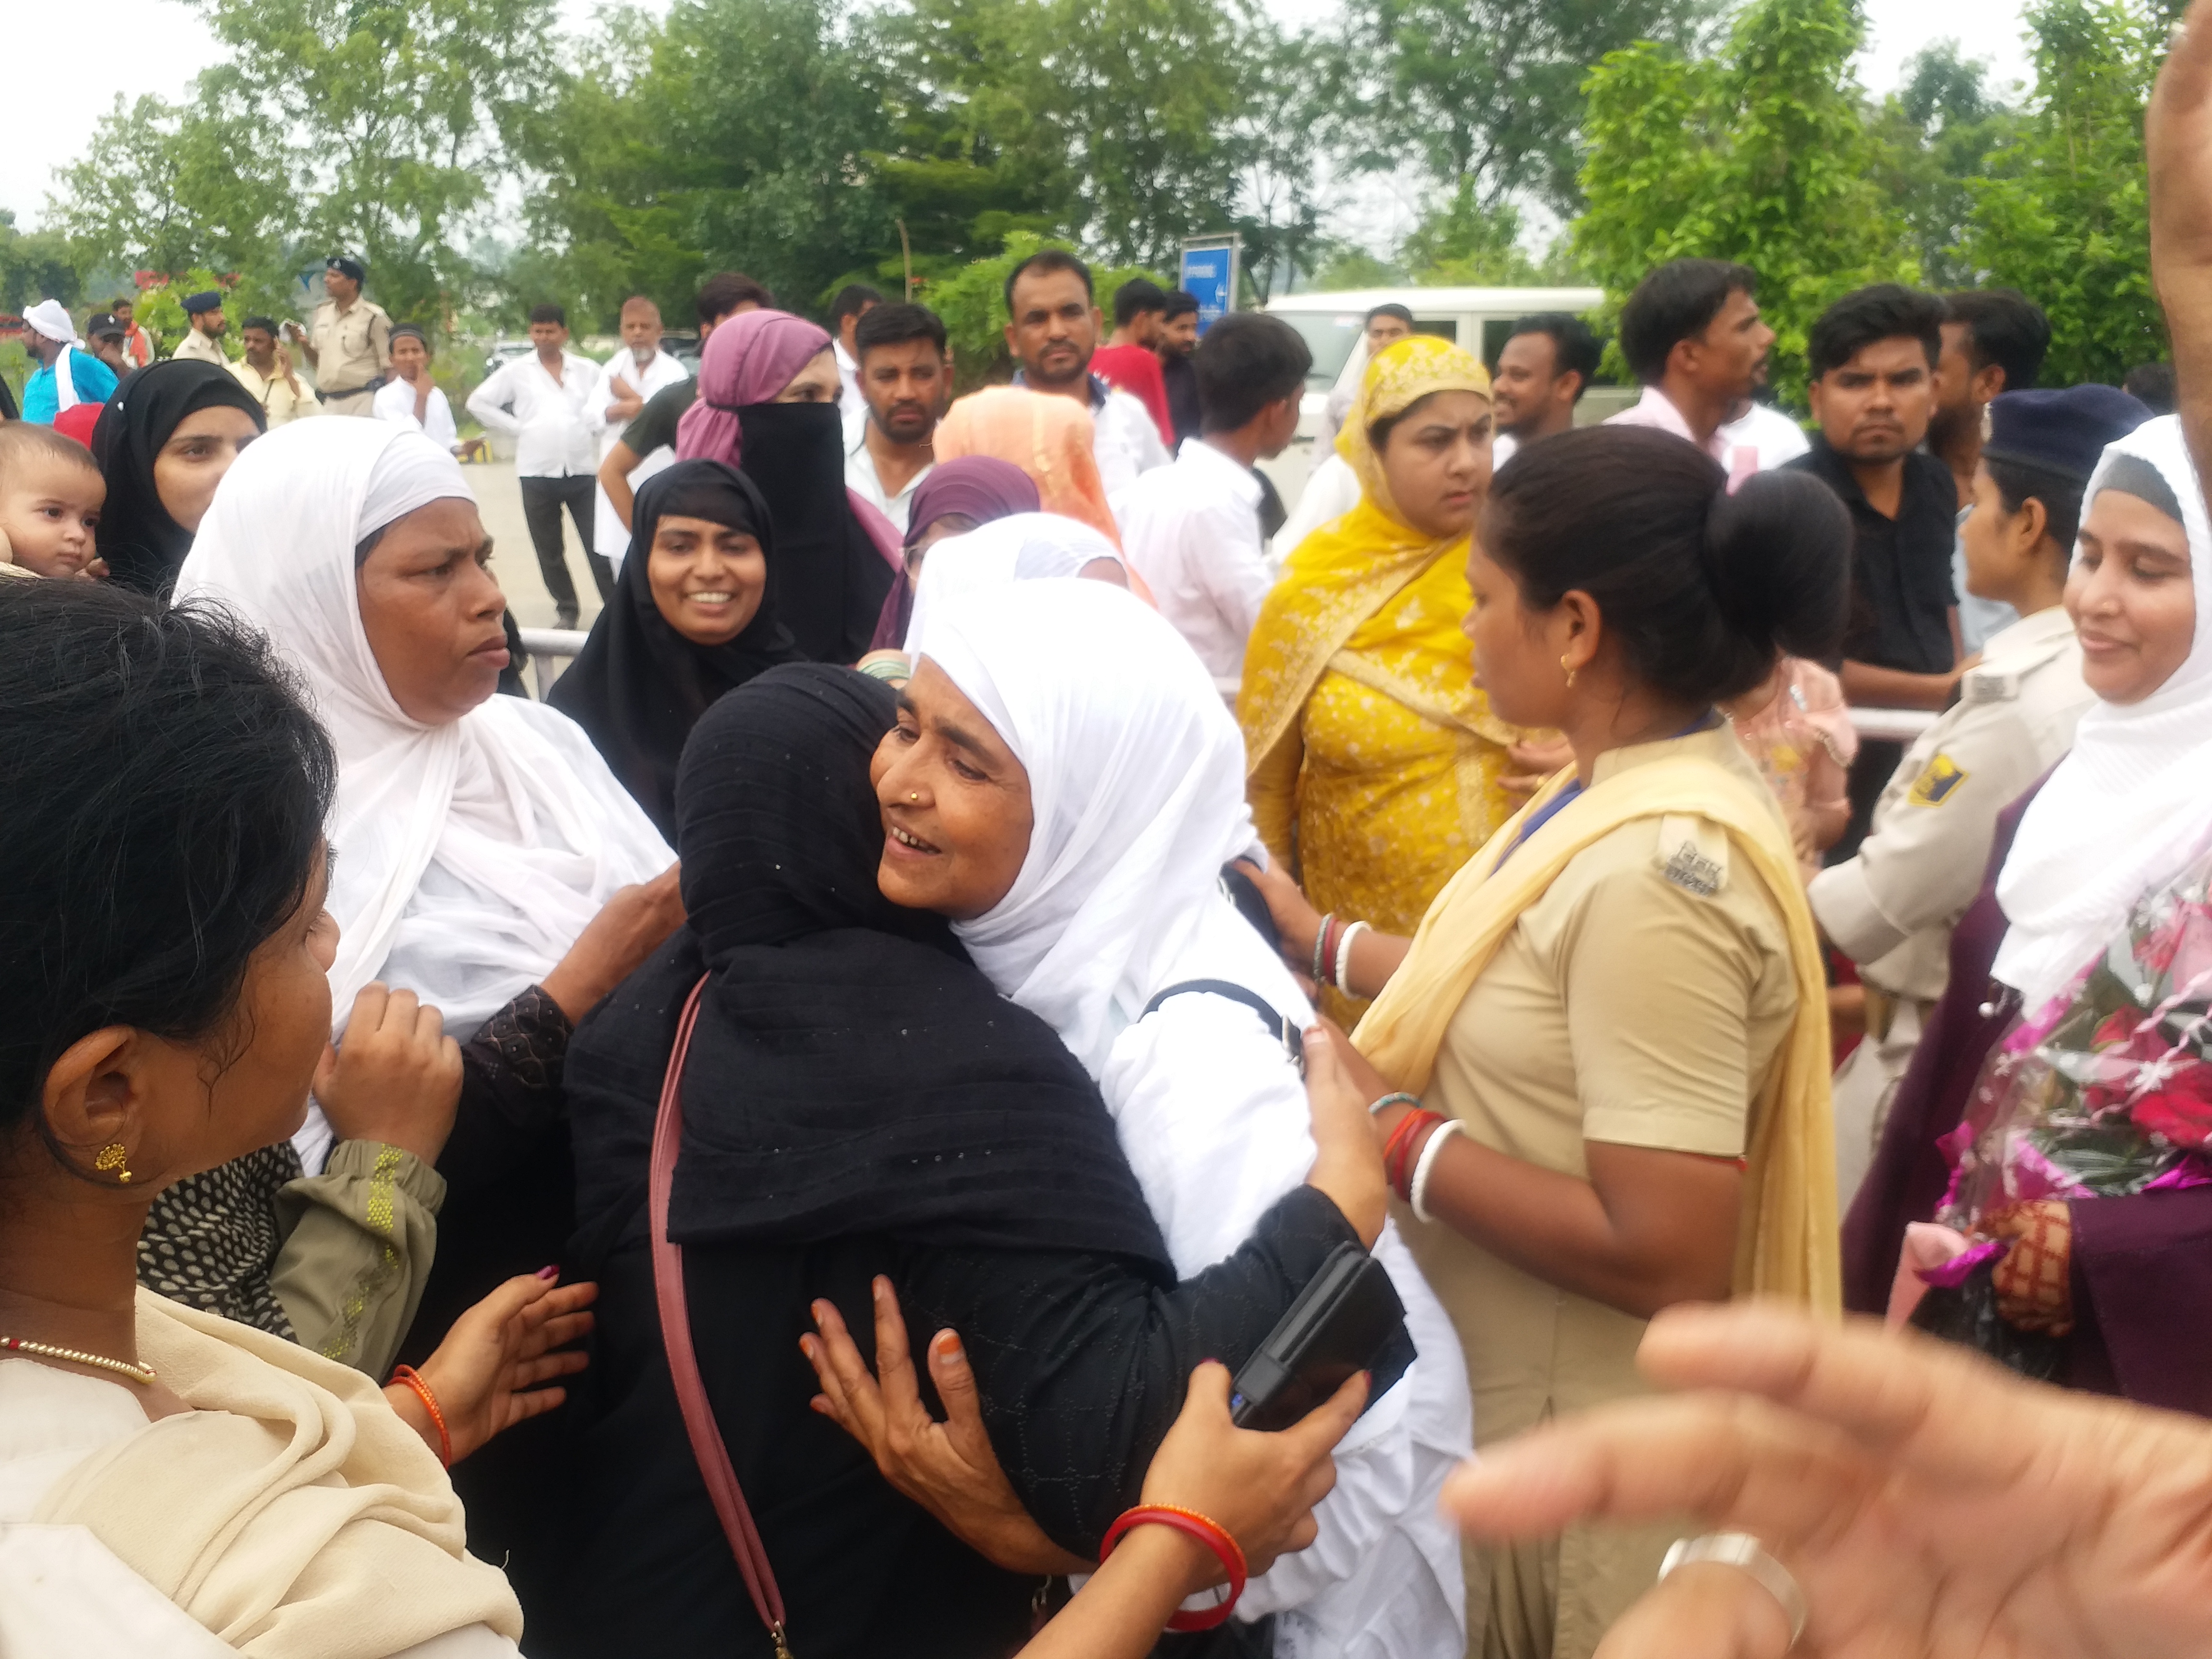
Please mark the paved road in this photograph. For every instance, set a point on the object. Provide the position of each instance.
(514, 562)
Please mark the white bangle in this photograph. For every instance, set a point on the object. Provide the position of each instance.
(1344, 956)
(1417, 1188)
(1740, 1549)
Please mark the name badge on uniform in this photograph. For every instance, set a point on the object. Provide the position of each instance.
(1938, 782)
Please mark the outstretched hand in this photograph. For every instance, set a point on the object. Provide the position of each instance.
(949, 1468)
(1926, 1502)
(491, 1371)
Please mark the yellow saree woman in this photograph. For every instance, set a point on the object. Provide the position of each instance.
(1371, 761)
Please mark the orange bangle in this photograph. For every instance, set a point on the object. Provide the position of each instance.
(1212, 1534)
(412, 1378)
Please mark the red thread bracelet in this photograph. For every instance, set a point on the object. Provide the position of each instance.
(408, 1376)
(1192, 1524)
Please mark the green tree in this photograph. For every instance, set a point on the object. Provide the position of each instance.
(1485, 91)
(35, 266)
(2063, 214)
(1763, 154)
(1936, 132)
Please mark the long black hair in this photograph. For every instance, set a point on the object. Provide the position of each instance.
(167, 790)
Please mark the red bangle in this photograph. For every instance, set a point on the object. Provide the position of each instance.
(1212, 1534)
(1332, 936)
(1404, 1144)
(412, 1378)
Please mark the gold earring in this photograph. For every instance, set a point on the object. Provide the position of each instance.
(112, 1157)
(1567, 669)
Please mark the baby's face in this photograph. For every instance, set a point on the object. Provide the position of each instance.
(47, 511)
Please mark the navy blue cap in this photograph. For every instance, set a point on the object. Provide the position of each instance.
(2063, 430)
(208, 299)
(345, 267)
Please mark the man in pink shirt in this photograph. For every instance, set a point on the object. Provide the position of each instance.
(1692, 335)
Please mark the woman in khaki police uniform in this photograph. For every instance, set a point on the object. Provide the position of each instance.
(1891, 906)
(1614, 1014)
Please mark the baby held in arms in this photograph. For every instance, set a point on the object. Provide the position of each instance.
(50, 493)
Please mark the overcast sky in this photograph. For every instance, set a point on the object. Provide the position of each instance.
(158, 45)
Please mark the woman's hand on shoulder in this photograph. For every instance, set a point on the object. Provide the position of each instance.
(633, 923)
(396, 1079)
(949, 1468)
(1340, 1086)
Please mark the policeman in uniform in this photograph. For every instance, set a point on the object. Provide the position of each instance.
(1891, 907)
(348, 342)
(203, 313)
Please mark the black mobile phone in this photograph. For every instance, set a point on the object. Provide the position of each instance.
(1347, 1319)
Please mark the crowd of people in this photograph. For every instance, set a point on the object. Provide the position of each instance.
(475, 1167)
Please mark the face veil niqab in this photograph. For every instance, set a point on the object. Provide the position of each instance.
(850, 1072)
(835, 554)
(468, 855)
(2131, 804)
(639, 686)
(143, 546)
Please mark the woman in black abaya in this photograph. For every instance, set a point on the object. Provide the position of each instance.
(163, 442)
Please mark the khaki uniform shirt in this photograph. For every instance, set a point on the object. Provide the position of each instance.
(1892, 907)
(279, 403)
(352, 347)
(1641, 1001)
(197, 344)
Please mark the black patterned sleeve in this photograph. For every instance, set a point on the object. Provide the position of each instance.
(510, 1089)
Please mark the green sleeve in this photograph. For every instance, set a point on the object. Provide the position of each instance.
(359, 1239)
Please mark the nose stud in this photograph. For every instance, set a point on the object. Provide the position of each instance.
(914, 795)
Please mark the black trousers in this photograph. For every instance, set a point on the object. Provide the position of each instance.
(541, 501)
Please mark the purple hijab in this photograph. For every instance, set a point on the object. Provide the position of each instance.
(981, 487)
(747, 360)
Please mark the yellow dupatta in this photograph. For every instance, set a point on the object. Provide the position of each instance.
(1340, 582)
(1786, 1243)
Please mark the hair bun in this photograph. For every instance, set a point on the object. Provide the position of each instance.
(1777, 553)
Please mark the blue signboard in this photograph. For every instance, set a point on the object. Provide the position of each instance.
(1209, 275)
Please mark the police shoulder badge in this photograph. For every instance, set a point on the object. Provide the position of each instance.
(1938, 782)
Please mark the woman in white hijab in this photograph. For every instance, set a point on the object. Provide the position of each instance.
(485, 858)
(1074, 825)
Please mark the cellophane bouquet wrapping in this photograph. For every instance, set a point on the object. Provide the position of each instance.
(2106, 1091)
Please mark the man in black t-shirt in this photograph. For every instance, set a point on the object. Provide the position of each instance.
(722, 297)
(1872, 356)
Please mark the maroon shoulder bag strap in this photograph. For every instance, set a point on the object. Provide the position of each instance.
(706, 1435)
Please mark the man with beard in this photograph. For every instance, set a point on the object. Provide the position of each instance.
(1872, 356)
(1994, 340)
(1053, 328)
(1692, 335)
(1177, 339)
(903, 378)
(204, 326)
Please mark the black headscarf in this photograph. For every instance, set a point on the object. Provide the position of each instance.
(638, 686)
(145, 547)
(850, 1072)
(830, 579)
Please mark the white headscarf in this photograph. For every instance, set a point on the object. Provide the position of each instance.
(1137, 782)
(467, 857)
(51, 319)
(1019, 548)
(2131, 804)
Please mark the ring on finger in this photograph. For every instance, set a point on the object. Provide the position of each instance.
(1741, 1550)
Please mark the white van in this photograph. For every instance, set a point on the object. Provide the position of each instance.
(1480, 318)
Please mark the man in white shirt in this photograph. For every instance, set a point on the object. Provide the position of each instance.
(1546, 364)
(629, 378)
(904, 377)
(853, 301)
(1692, 333)
(548, 403)
(1055, 329)
(1192, 530)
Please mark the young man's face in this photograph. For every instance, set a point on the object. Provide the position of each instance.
(1178, 334)
(123, 313)
(260, 345)
(1731, 353)
(1055, 328)
(340, 288)
(1527, 386)
(905, 386)
(1384, 331)
(1875, 407)
(1144, 329)
(211, 323)
(549, 337)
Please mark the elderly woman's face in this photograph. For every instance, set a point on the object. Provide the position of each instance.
(817, 383)
(432, 612)
(956, 803)
(1437, 461)
(198, 454)
(706, 578)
